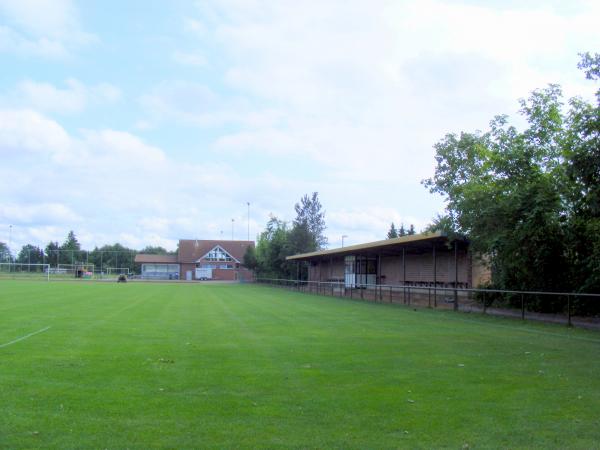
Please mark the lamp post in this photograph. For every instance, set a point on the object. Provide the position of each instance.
(232, 221)
(343, 236)
(248, 203)
(9, 242)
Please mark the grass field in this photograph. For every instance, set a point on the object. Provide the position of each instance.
(220, 366)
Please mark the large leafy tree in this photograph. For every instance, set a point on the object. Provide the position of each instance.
(582, 154)
(30, 254)
(272, 249)
(528, 199)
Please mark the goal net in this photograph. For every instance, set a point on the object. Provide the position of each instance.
(24, 271)
(80, 270)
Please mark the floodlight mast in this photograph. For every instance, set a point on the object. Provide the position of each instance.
(9, 242)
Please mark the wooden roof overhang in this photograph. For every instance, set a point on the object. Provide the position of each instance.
(416, 243)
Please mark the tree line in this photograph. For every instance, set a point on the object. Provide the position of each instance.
(71, 253)
(395, 233)
(529, 200)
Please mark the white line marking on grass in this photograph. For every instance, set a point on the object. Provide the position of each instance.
(24, 337)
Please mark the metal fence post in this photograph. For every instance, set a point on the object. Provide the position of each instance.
(522, 306)
(484, 303)
(569, 311)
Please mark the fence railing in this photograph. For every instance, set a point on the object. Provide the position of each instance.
(559, 307)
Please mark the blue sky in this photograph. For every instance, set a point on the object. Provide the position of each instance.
(146, 121)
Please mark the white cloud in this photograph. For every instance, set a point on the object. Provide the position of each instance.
(106, 185)
(41, 17)
(26, 132)
(46, 28)
(14, 42)
(74, 98)
(347, 78)
(37, 214)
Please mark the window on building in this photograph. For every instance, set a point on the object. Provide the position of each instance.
(218, 254)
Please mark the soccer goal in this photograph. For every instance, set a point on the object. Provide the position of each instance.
(78, 270)
(25, 271)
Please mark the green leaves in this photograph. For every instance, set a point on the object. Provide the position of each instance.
(529, 199)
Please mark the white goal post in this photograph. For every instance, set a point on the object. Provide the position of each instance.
(117, 270)
(25, 271)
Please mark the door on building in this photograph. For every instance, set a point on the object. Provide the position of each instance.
(188, 275)
(349, 271)
(360, 271)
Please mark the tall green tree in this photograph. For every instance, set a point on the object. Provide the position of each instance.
(5, 255)
(310, 216)
(70, 250)
(52, 253)
(392, 232)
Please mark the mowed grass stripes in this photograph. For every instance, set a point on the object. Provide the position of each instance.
(241, 366)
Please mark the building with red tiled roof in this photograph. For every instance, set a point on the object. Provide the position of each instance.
(199, 260)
